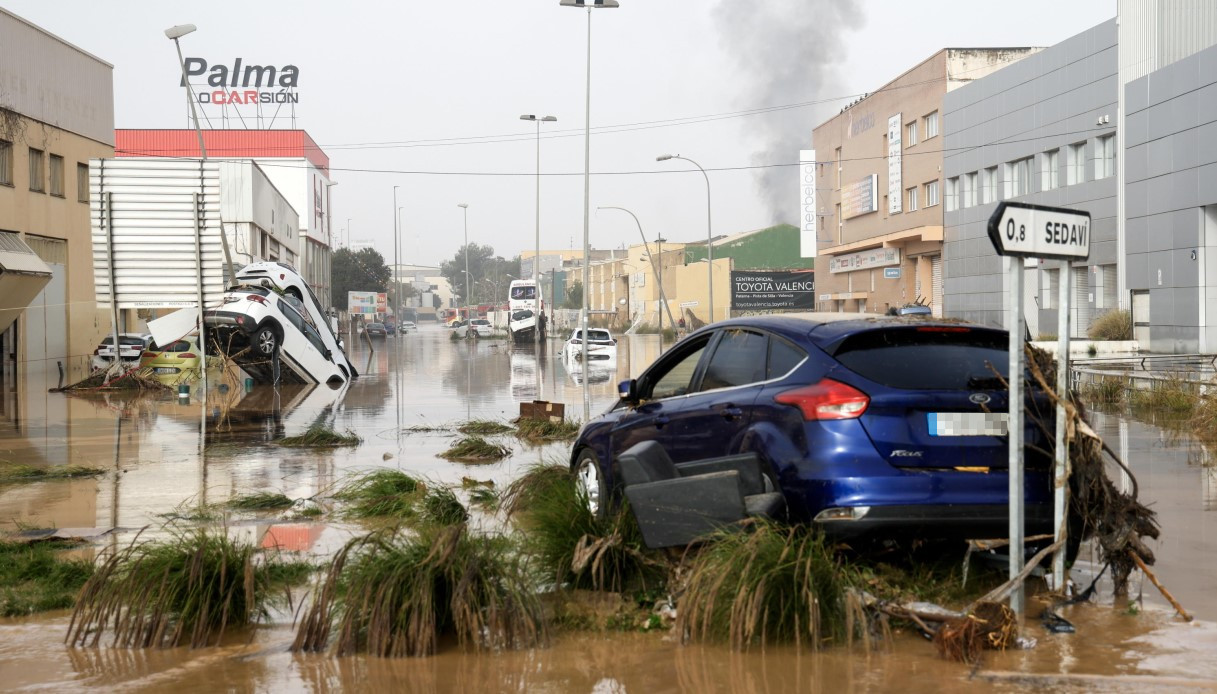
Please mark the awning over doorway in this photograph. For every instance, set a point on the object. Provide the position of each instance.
(22, 275)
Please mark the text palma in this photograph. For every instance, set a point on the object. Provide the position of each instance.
(237, 76)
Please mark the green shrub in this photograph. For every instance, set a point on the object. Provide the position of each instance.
(1113, 325)
(391, 595)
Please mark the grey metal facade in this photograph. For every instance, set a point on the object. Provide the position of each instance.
(1064, 95)
(1171, 203)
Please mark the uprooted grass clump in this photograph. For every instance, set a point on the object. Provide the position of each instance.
(543, 430)
(381, 492)
(475, 449)
(573, 547)
(320, 437)
(35, 577)
(773, 583)
(483, 427)
(187, 589)
(440, 506)
(390, 594)
(21, 472)
(260, 501)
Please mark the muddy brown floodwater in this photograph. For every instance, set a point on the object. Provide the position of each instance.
(164, 455)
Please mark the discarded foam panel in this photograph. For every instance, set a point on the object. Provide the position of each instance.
(543, 409)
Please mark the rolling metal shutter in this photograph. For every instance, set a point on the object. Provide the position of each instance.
(936, 285)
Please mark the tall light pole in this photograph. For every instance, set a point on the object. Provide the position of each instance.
(393, 275)
(587, 185)
(709, 233)
(655, 269)
(536, 259)
(396, 278)
(348, 243)
(468, 278)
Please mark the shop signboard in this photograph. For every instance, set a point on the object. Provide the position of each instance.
(761, 290)
(361, 303)
(860, 197)
(864, 260)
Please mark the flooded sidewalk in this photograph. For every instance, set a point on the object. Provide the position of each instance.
(161, 456)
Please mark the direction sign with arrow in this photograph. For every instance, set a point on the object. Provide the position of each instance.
(1035, 231)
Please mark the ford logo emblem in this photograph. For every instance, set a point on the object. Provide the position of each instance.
(979, 398)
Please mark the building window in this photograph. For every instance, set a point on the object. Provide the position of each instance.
(37, 182)
(1105, 157)
(967, 191)
(912, 196)
(931, 194)
(1075, 164)
(988, 185)
(840, 224)
(82, 182)
(912, 133)
(1052, 283)
(6, 163)
(1050, 163)
(931, 125)
(57, 175)
(1017, 178)
(952, 194)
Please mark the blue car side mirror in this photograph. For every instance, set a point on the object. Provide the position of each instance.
(628, 390)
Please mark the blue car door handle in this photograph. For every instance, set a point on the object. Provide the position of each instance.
(660, 421)
(730, 412)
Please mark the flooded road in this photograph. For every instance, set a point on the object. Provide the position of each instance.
(165, 455)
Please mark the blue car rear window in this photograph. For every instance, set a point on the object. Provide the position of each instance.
(929, 358)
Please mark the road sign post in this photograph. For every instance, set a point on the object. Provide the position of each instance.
(1021, 230)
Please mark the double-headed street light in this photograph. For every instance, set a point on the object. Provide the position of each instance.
(536, 259)
(709, 233)
(587, 178)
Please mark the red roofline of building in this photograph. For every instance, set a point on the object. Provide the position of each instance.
(183, 142)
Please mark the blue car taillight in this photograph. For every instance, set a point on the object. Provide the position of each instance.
(827, 399)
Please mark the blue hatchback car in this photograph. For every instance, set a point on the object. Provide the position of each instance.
(865, 424)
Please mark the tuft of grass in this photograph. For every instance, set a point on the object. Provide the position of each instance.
(1204, 418)
(1105, 391)
(187, 589)
(260, 501)
(486, 497)
(1174, 395)
(21, 472)
(543, 430)
(569, 544)
(427, 428)
(440, 506)
(1113, 325)
(391, 595)
(775, 583)
(484, 427)
(1046, 337)
(475, 449)
(36, 577)
(381, 492)
(320, 437)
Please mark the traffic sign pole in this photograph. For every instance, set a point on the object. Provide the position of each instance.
(1014, 430)
(1060, 466)
(1020, 230)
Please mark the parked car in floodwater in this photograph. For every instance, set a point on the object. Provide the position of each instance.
(406, 326)
(866, 424)
(375, 330)
(180, 357)
(130, 346)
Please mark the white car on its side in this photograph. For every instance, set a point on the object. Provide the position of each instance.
(269, 336)
(283, 278)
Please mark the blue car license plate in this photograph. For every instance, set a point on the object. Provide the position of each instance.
(967, 423)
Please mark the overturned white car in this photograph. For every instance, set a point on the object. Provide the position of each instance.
(272, 320)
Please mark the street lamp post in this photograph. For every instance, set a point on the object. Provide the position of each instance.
(657, 269)
(468, 278)
(402, 251)
(396, 262)
(536, 259)
(587, 185)
(709, 233)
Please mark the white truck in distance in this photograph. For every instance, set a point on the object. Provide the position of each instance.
(526, 309)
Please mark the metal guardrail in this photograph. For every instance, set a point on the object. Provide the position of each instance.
(1152, 362)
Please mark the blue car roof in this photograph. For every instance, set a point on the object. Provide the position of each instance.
(824, 329)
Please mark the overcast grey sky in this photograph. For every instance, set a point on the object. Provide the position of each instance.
(405, 71)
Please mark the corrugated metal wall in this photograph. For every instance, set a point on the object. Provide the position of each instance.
(1156, 33)
(151, 220)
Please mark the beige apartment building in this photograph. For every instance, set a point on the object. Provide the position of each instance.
(880, 186)
(56, 113)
